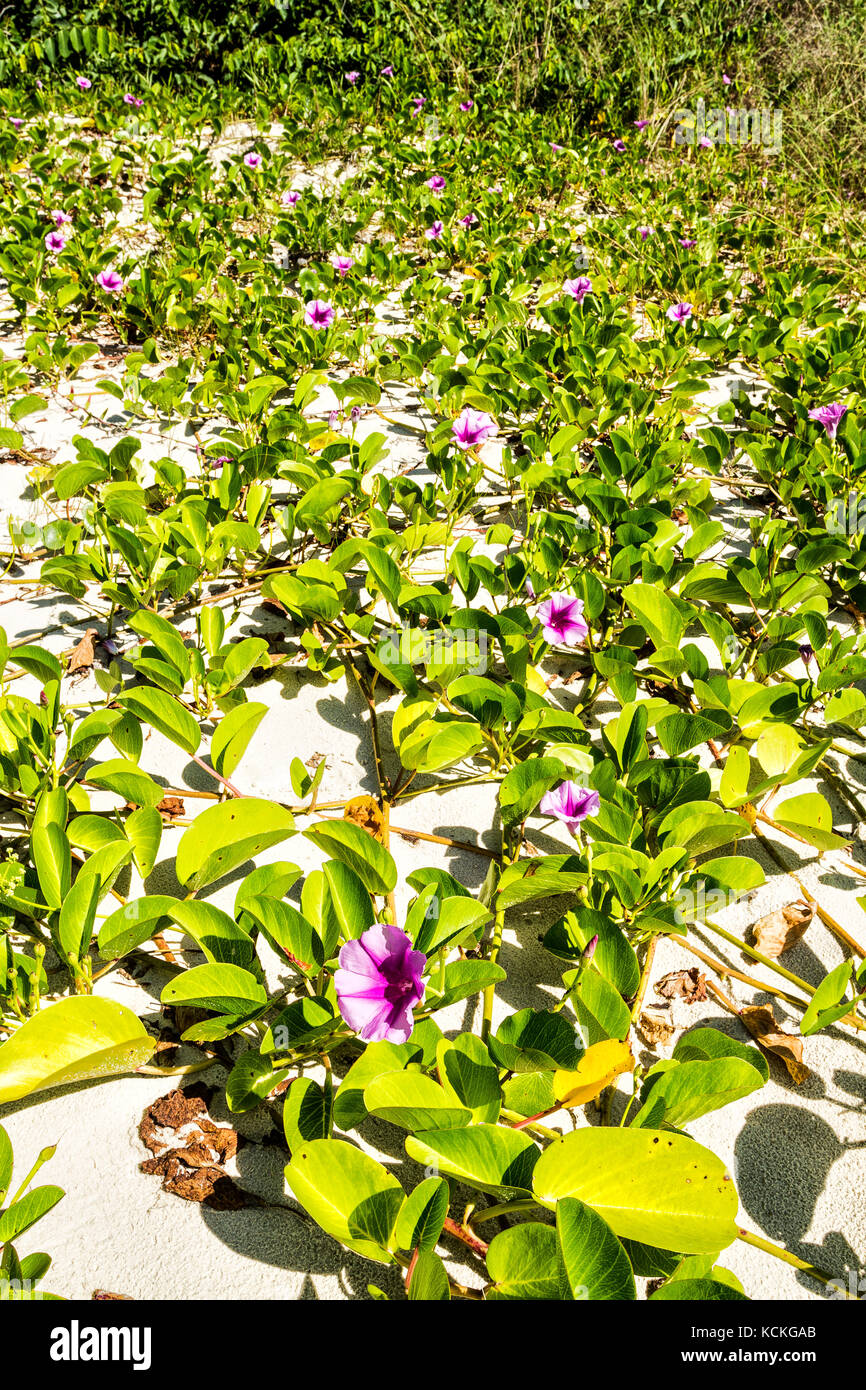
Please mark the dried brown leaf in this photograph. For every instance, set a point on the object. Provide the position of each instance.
(171, 806)
(82, 656)
(761, 1023)
(366, 812)
(656, 1029)
(779, 931)
(689, 985)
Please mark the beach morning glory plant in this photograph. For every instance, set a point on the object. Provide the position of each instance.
(379, 983)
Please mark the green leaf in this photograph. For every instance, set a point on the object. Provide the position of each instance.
(50, 849)
(233, 735)
(127, 780)
(415, 1101)
(288, 932)
(165, 714)
(691, 1089)
(306, 1113)
(144, 831)
(77, 916)
(76, 1039)
(828, 1003)
(698, 1291)
(660, 1189)
(463, 978)
(702, 1044)
(429, 1280)
(250, 1081)
(350, 900)
(467, 1074)
(601, 1010)
(224, 836)
(524, 1263)
(422, 1216)
(523, 787)
(656, 612)
(5, 1163)
(225, 989)
(357, 849)
(351, 1196)
(18, 1218)
(595, 1263)
(533, 1039)
(377, 1059)
(809, 815)
(300, 1022)
(489, 1157)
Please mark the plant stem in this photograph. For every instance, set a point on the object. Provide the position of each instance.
(759, 1243)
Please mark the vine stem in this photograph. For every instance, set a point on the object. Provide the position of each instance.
(722, 969)
(759, 1243)
(829, 922)
(644, 979)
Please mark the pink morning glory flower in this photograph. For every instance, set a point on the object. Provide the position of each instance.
(468, 221)
(495, 188)
(641, 125)
(111, 282)
(59, 218)
(619, 145)
(342, 265)
(577, 288)
(290, 199)
(55, 241)
(387, 72)
(84, 83)
(562, 620)
(705, 143)
(687, 243)
(17, 121)
(318, 314)
(554, 146)
(252, 160)
(644, 232)
(434, 231)
(570, 803)
(680, 313)
(471, 427)
(418, 102)
(129, 98)
(466, 105)
(352, 77)
(436, 183)
(379, 983)
(726, 79)
(830, 416)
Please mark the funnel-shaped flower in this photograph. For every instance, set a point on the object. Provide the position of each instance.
(570, 803)
(468, 221)
(110, 281)
(342, 265)
(577, 288)
(59, 218)
(687, 243)
(379, 983)
(680, 313)
(467, 105)
(830, 416)
(644, 232)
(436, 183)
(290, 199)
(352, 77)
(55, 241)
(619, 145)
(641, 125)
(318, 314)
(562, 620)
(84, 83)
(252, 160)
(386, 72)
(471, 427)
(434, 231)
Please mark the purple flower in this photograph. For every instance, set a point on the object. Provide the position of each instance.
(436, 183)
(290, 199)
(806, 653)
(680, 313)
(129, 98)
(342, 265)
(318, 314)
(352, 77)
(468, 221)
(619, 145)
(471, 427)
(333, 419)
(387, 72)
(434, 231)
(554, 146)
(418, 102)
(466, 105)
(830, 416)
(641, 125)
(55, 241)
(110, 281)
(570, 803)
(644, 232)
(562, 620)
(577, 288)
(59, 218)
(17, 121)
(252, 160)
(379, 983)
(84, 83)
(355, 414)
(138, 101)
(705, 143)
(495, 188)
(687, 243)
(726, 79)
